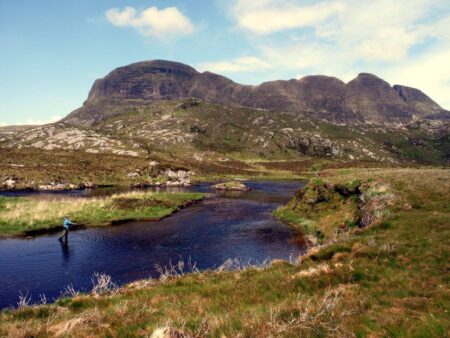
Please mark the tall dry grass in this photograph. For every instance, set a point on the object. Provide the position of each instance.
(22, 214)
(31, 211)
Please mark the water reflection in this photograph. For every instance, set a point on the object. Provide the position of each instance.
(65, 250)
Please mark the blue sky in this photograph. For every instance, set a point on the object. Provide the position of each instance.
(53, 50)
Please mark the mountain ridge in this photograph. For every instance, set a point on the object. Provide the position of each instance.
(365, 99)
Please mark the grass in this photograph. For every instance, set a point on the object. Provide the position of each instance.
(307, 226)
(41, 167)
(25, 214)
(388, 280)
(321, 208)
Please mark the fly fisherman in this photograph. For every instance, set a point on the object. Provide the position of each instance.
(66, 225)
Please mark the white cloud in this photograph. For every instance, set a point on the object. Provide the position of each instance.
(240, 64)
(406, 41)
(159, 23)
(379, 30)
(271, 16)
(32, 121)
(431, 71)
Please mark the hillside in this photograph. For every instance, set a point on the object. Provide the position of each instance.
(208, 139)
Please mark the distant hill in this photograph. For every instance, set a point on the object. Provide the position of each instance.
(365, 99)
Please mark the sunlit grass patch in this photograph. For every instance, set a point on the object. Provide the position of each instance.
(19, 215)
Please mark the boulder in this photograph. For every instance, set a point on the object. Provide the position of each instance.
(178, 178)
(231, 186)
(168, 332)
(9, 183)
(133, 175)
(198, 157)
(171, 174)
(166, 117)
(52, 187)
(86, 185)
(182, 174)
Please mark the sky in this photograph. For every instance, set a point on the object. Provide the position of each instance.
(53, 50)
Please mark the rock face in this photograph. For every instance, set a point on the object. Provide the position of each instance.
(366, 99)
(421, 101)
(374, 98)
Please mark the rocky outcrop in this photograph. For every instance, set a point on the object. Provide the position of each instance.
(64, 137)
(54, 186)
(12, 183)
(177, 178)
(322, 208)
(231, 186)
(366, 99)
(9, 183)
(313, 145)
(156, 175)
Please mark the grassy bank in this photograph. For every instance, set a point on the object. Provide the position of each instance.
(25, 214)
(323, 208)
(389, 279)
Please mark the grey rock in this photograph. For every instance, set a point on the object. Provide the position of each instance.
(9, 183)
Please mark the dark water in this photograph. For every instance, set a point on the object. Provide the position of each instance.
(231, 225)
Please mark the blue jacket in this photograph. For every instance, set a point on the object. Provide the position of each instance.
(67, 223)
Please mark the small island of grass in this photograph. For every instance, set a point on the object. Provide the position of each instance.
(231, 186)
(29, 215)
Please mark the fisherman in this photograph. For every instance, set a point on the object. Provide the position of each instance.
(66, 225)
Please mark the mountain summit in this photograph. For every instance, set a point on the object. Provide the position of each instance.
(365, 99)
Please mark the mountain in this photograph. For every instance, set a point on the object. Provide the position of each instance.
(365, 99)
(168, 113)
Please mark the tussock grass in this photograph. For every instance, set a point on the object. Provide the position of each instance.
(18, 215)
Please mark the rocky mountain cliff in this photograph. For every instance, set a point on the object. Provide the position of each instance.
(366, 99)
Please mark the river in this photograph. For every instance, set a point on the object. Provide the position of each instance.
(230, 225)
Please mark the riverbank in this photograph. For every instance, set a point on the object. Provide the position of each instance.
(322, 209)
(388, 279)
(25, 216)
